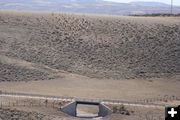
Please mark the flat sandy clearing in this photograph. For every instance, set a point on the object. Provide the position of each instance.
(84, 87)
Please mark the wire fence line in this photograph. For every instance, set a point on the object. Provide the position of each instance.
(29, 103)
(58, 101)
(8, 99)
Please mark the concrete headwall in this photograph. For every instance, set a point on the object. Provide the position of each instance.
(70, 109)
(104, 110)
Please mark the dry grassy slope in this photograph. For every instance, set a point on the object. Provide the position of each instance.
(95, 46)
(19, 70)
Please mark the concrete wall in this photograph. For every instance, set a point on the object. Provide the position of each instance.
(104, 110)
(70, 109)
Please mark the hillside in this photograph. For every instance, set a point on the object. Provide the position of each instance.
(20, 70)
(89, 45)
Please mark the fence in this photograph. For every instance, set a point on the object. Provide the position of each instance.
(28, 100)
(33, 100)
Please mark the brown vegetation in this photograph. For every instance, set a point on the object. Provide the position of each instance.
(94, 46)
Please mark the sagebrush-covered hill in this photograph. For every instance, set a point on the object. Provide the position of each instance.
(91, 45)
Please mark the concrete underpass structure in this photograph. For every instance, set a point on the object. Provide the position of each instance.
(71, 108)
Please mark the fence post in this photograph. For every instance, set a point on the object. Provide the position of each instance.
(46, 102)
(24, 103)
(53, 103)
(9, 104)
(39, 102)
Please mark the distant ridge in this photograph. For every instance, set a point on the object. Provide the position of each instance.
(142, 3)
(88, 6)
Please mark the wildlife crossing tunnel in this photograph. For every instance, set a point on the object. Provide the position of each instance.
(71, 108)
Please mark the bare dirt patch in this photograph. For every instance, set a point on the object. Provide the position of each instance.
(79, 86)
